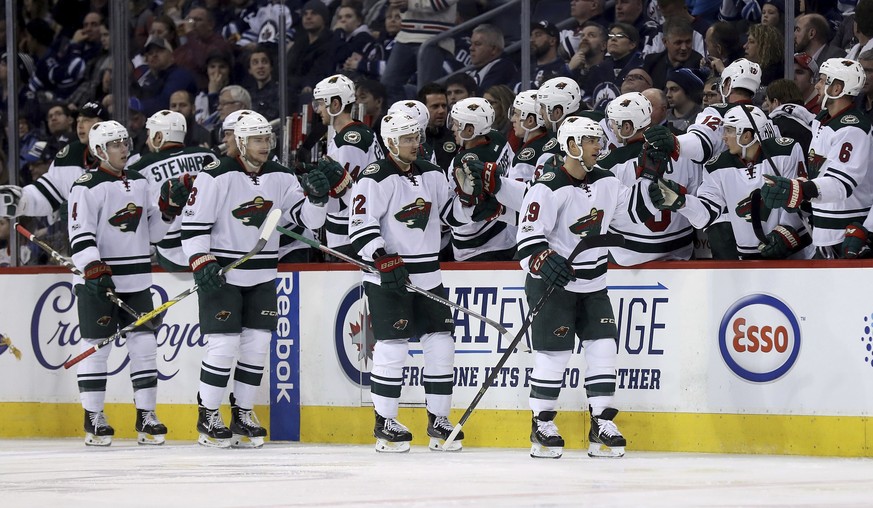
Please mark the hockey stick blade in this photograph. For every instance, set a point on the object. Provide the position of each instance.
(66, 262)
(267, 230)
(592, 242)
(363, 266)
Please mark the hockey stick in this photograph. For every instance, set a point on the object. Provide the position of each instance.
(70, 266)
(756, 194)
(363, 266)
(593, 242)
(267, 230)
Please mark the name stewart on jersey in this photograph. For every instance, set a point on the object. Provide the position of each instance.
(165, 164)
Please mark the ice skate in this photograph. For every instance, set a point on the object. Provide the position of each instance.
(97, 431)
(213, 432)
(149, 430)
(246, 429)
(546, 443)
(391, 435)
(439, 428)
(604, 438)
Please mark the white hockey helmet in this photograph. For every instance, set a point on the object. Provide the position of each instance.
(474, 111)
(396, 125)
(525, 103)
(631, 107)
(252, 124)
(102, 133)
(171, 124)
(335, 86)
(415, 109)
(848, 71)
(230, 120)
(577, 128)
(562, 92)
(738, 119)
(743, 74)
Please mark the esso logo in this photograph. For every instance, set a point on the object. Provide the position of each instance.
(759, 338)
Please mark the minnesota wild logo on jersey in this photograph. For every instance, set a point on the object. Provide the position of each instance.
(589, 224)
(127, 219)
(744, 210)
(254, 212)
(814, 164)
(414, 215)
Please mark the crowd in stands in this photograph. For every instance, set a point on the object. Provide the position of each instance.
(209, 58)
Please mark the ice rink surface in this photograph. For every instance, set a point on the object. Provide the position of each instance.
(64, 473)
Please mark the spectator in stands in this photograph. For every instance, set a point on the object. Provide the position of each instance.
(27, 103)
(677, 9)
(772, 13)
(711, 94)
(59, 122)
(181, 101)
(585, 13)
(784, 105)
(722, 46)
(812, 35)
(40, 158)
(218, 69)
(590, 52)
(604, 80)
(86, 41)
(636, 80)
(460, 86)
(806, 76)
(500, 97)
(261, 85)
(136, 121)
(765, 46)
(544, 47)
(421, 21)
(248, 24)
(163, 77)
(684, 96)
(56, 74)
(678, 36)
(373, 58)
(141, 17)
(633, 13)
(201, 39)
(371, 95)
(311, 56)
(863, 29)
(352, 33)
(437, 135)
(865, 99)
(486, 54)
(163, 27)
(231, 98)
(658, 99)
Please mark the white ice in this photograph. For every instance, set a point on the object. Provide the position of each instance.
(64, 473)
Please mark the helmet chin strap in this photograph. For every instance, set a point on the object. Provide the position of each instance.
(826, 95)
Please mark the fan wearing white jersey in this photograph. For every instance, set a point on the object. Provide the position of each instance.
(112, 223)
(729, 182)
(839, 185)
(350, 143)
(666, 236)
(705, 139)
(221, 222)
(46, 195)
(562, 206)
(170, 169)
(398, 204)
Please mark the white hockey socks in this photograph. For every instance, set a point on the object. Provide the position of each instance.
(386, 376)
(600, 358)
(91, 376)
(546, 379)
(215, 368)
(253, 348)
(142, 347)
(438, 375)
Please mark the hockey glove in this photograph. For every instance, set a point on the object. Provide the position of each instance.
(391, 269)
(337, 176)
(174, 194)
(487, 173)
(207, 272)
(667, 195)
(662, 140)
(467, 184)
(856, 243)
(781, 242)
(781, 192)
(488, 210)
(316, 187)
(98, 279)
(551, 267)
(10, 200)
(651, 164)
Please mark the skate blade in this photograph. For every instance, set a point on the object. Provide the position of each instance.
(150, 439)
(211, 442)
(240, 441)
(438, 445)
(601, 450)
(92, 440)
(539, 451)
(383, 446)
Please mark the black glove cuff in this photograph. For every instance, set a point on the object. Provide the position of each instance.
(810, 190)
(378, 253)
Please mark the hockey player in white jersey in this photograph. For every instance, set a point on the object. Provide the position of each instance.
(730, 179)
(666, 236)
(839, 185)
(170, 169)
(538, 145)
(112, 223)
(221, 222)
(45, 196)
(418, 112)
(350, 143)
(398, 204)
(562, 206)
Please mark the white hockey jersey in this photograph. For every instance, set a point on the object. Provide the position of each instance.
(728, 183)
(227, 207)
(113, 219)
(52, 189)
(402, 212)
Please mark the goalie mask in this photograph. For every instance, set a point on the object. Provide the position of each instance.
(743, 74)
(556, 92)
(738, 119)
(170, 124)
(395, 126)
(578, 128)
(414, 109)
(337, 86)
(103, 135)
(849, 72)
(631, 107)
(252, 124)
(525, 105)
(474, 111)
